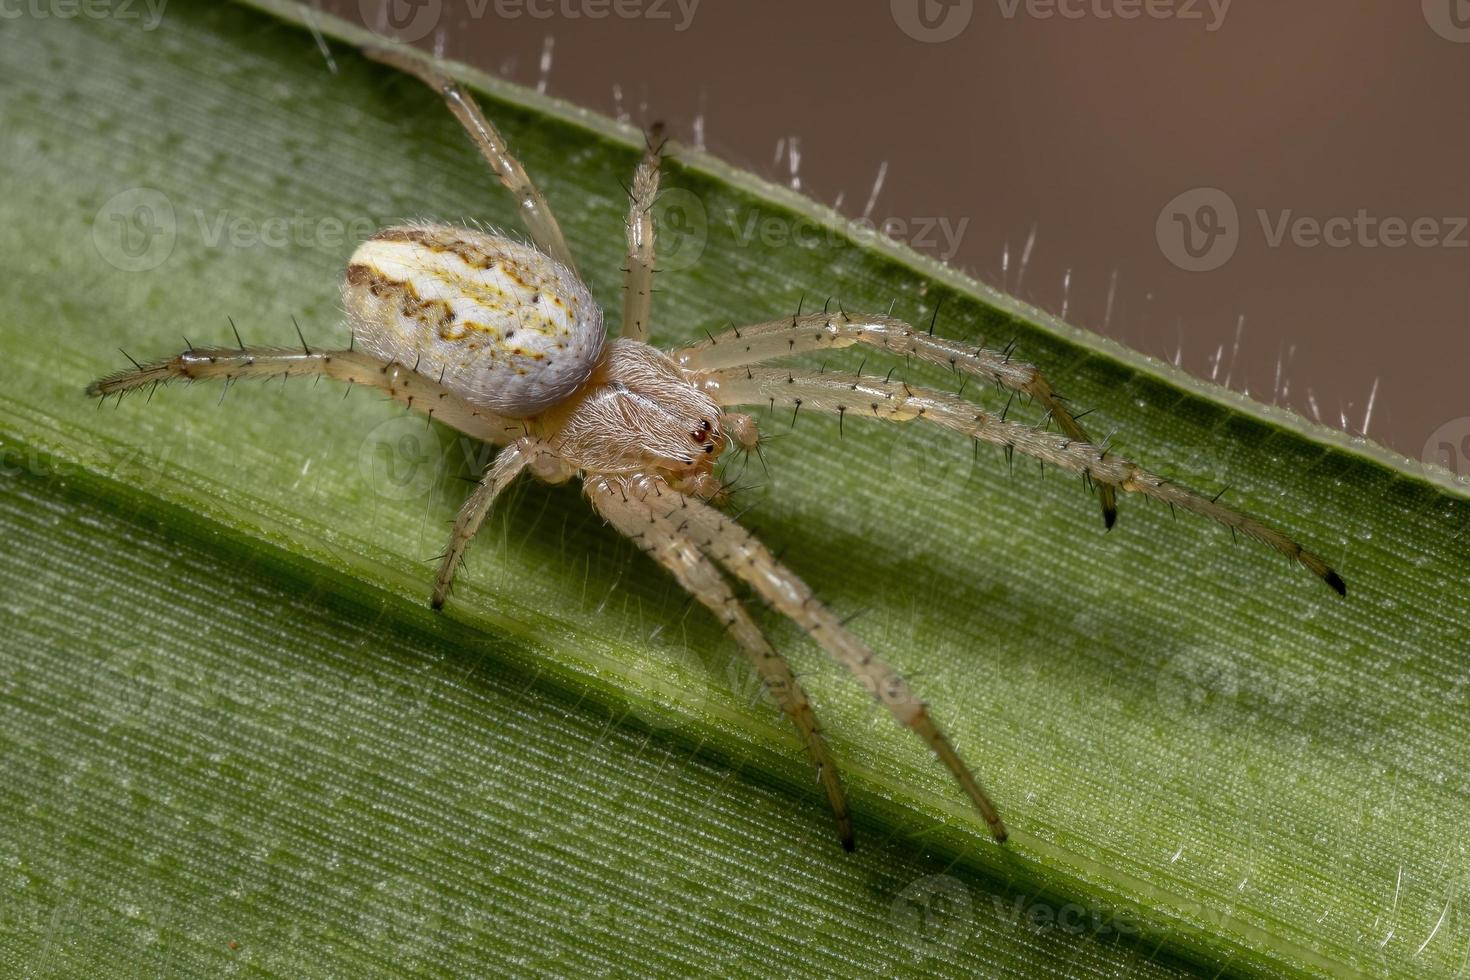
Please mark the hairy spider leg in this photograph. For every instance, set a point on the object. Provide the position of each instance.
(674, 549)
(506, 466)
(402, 384)
(534, 211)
(638, 269)
(896, 401)
(743, 556)
(759, 342)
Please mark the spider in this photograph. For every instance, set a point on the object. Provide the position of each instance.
(502, 341)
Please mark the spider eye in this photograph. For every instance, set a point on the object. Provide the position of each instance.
(699, 434)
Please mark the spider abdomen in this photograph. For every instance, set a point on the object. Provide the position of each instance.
(498, 322)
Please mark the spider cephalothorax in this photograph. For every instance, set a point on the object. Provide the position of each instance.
(639, 413)
(503, 341)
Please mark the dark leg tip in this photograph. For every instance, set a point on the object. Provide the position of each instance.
(1335, 581)
(848, 844)
(1110, 517)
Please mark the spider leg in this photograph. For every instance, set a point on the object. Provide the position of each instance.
(535, 212)
(638, 271)
(672, 548)
(506, 467)
(898, 402)
(231, 363)
(743, 556)
(827, 331)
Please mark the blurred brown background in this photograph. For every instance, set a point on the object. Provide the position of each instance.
(1076, 126)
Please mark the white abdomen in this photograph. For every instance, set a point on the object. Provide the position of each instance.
(501, 324)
